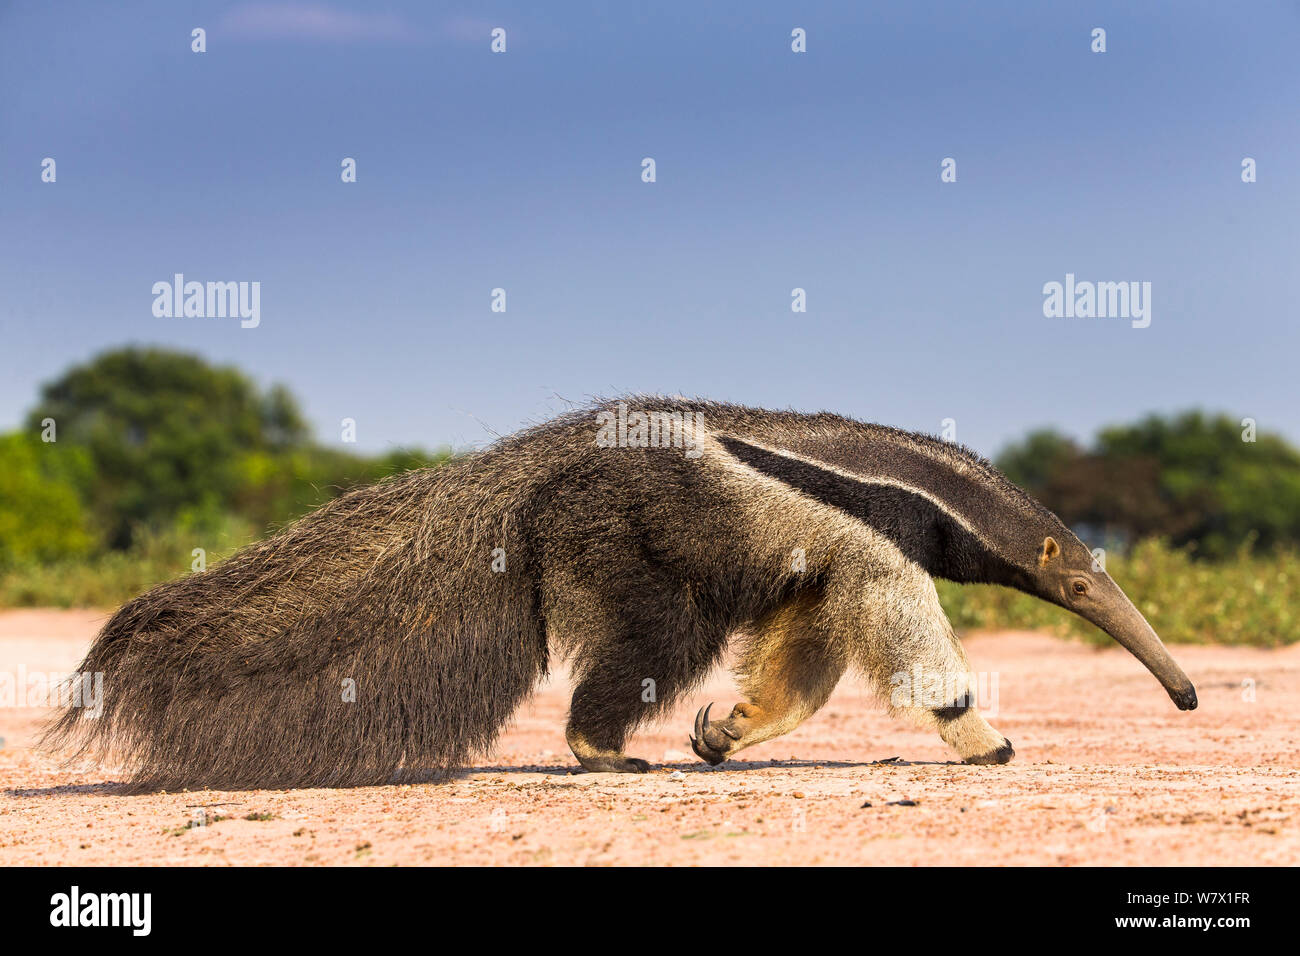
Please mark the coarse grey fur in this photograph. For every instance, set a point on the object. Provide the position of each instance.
(441, 595)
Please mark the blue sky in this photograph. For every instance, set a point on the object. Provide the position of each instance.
(775, 170)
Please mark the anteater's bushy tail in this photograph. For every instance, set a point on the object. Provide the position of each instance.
(371, 638)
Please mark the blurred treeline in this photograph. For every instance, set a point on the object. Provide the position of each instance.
(1193, 480)
(153, 454)
(157, 453)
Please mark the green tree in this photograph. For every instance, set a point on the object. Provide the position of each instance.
(1032, 461)
(1219, 490)
(41, 517)
(165, 433)
(1189, 478)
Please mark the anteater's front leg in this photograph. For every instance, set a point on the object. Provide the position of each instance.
(910, 652)
(787, 670)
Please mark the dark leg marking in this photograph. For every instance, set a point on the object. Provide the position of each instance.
(958, 708)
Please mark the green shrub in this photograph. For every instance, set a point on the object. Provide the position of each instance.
(41, 516)
(110, 578)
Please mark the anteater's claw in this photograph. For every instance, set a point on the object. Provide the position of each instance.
(707, 751)
(702, 720)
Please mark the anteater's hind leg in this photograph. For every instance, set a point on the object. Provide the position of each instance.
(624, 682)
(787, 672)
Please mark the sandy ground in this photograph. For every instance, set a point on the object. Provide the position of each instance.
(1107, 772)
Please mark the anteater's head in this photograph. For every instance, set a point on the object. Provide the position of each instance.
(1065, 572)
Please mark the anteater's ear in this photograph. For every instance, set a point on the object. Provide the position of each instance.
(1050, 550)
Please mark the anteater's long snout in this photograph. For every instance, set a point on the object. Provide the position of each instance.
(1125, 623)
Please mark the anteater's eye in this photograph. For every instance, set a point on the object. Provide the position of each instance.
(1080, 587)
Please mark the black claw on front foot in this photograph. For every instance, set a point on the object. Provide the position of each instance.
(713, 741)
(1002, 755)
